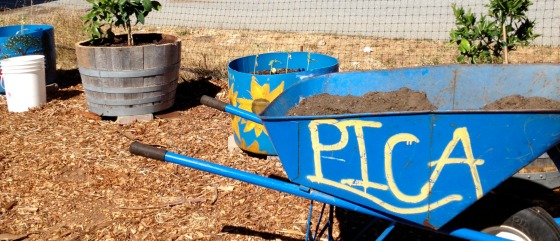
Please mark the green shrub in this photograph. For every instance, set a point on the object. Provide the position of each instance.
(104, 14)
(489, 38)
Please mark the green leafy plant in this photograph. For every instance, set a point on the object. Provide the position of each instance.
(106, 14)
(271, 64)
(489, 38)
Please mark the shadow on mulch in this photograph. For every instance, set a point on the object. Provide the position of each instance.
(68, 78)
(189, 93)
(64, 80)
(248, 232)
(358, 226)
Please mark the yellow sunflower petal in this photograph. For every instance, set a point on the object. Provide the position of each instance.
(245, 104)
(276, 92)
(249, 126)
(265, 90)
(232, 95)
(254, 147)
(256, 89)
(235, 126)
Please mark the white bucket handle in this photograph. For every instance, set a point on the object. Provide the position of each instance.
(2, 82)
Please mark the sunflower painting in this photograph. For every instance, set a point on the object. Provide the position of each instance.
(257, 98)
(259, 94)
(252, 89)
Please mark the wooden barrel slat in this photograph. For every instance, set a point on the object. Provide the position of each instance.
(111, 99)
(146, 82)
(125, 110)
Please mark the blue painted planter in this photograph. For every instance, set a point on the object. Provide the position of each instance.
(36, 39)
(253, 92)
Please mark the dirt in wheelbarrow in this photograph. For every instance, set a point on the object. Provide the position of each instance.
(403, 99)
(517, 102)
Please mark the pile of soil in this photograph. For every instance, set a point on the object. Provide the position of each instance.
(403, 99)
(518, 102)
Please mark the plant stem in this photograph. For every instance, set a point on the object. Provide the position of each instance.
(256, 63)
(130, 40)
(504, 38)
(287, 62)
(308, 60)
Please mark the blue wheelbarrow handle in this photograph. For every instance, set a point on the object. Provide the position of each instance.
(220, 105)
(156, 153)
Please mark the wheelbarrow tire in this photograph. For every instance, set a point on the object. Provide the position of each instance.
(534, 224)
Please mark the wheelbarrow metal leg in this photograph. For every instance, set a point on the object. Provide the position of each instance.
(308, 235)
(386, 231)
(315, 235)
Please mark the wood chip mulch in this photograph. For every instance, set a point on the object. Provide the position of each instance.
(67, 174)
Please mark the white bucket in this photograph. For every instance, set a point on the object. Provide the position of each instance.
(24, 60)
(23, 78)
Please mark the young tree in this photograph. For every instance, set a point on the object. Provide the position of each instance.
(490, 38)
(119, 13)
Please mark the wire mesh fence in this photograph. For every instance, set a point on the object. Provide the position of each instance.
(362, 34)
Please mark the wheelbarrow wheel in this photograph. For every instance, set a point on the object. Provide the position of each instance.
(529, 224)
(504, 213)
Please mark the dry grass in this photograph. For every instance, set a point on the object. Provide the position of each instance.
(64, 176)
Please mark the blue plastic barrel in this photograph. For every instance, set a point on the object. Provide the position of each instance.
(18, 40)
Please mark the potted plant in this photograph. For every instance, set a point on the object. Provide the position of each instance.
(127, 74)
(256, 80)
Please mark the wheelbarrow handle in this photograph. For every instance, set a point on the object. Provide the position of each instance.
(278, 185)
(148, 151)
(220, 105)
(213, 102)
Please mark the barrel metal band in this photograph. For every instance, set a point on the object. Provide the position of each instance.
(128, 90)
(163, 97)
(127, 73)
(127, 110)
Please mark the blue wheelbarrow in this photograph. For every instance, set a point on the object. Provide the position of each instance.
(421, 168)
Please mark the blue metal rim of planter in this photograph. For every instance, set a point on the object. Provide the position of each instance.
(245, 87)
(37, 39)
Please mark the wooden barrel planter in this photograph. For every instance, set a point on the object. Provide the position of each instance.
(130, 80)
